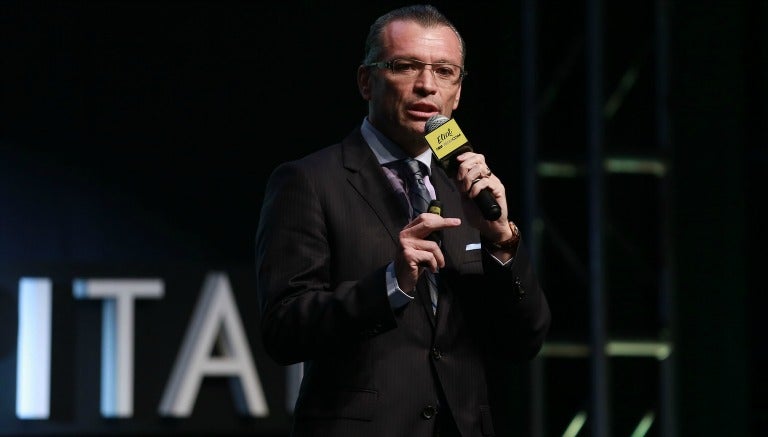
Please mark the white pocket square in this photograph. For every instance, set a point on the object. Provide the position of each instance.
(472, 246)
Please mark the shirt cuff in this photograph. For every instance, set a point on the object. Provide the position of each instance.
(501, 263)
(397, 297)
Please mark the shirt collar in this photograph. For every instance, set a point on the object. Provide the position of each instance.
(387, 151)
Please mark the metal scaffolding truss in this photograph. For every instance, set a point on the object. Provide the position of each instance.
(596, 178)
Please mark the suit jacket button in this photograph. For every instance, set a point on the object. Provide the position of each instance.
(428, 412)
(520, 289)
(436, 354)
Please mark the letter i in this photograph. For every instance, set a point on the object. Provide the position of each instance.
(33, 363)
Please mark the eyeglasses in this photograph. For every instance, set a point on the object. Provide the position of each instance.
(444, 73)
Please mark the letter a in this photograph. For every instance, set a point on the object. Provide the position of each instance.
(215, 318)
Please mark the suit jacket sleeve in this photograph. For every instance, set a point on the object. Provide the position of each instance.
(520, 310)
(302, 312)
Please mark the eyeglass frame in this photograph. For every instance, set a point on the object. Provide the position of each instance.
(390, 65)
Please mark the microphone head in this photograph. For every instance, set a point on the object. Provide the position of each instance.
(435, 207)
(435, 122)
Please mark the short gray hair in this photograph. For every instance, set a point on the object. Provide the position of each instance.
(425, 15)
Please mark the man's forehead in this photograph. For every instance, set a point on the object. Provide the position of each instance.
(403, 37)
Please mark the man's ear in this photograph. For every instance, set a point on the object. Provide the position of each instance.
(363, 82)
(456, 99)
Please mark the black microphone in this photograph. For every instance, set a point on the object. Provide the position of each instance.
(447, 142)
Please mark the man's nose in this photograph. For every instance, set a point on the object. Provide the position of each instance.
(426, 77)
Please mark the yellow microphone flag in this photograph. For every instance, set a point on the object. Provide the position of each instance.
(446, 139)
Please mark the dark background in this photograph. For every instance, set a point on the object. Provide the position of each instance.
(137, 137)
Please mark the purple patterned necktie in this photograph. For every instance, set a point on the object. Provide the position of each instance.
(416, 188)
(419, 197)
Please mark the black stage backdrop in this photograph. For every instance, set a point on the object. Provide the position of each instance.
(136, 138)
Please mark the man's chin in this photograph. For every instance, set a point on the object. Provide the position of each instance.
(416, 126)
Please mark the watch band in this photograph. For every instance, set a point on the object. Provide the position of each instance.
(510, 243)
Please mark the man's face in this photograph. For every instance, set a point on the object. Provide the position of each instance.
(399, 106)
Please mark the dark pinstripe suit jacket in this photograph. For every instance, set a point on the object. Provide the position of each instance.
(328, 229)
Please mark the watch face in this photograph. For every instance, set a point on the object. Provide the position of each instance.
(515, 231)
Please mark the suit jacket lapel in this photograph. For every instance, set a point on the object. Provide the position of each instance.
(366, 177)
(453, 244)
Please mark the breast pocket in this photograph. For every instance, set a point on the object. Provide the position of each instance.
(471, 260)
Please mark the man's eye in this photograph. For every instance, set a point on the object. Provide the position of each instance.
(445, 71)
(405, 66)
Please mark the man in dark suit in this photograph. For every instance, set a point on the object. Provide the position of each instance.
(344, 274)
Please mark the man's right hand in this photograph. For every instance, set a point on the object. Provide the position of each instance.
(417, 252)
